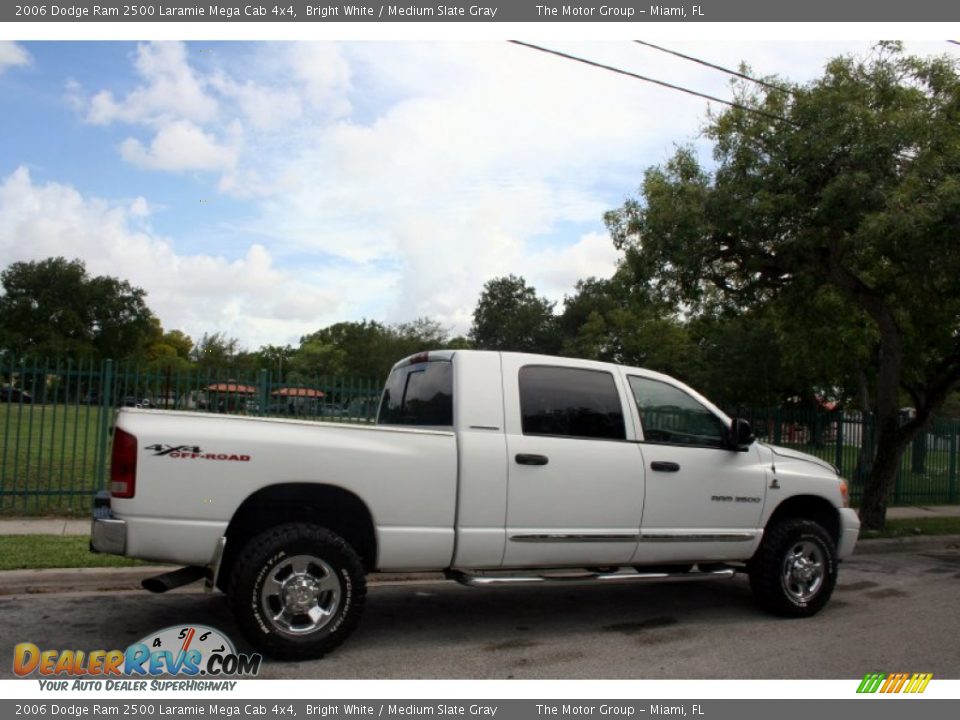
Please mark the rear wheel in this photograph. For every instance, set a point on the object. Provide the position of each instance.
(795, 570)
(297, 591)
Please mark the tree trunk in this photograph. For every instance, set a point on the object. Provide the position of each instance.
(918, 460)
(865, 456)
(883, 475)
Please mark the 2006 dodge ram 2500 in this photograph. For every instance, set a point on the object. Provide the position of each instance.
(493, 467)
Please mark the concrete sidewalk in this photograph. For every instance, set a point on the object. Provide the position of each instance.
(61, 526)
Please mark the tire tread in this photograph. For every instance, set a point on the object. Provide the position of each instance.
(259, 550)
(765, 567)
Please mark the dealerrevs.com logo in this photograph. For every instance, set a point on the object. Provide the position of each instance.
(894, 683)
(185, 651)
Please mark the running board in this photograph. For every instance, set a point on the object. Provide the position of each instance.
(587, 578)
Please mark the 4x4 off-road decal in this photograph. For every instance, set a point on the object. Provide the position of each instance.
(193, 452)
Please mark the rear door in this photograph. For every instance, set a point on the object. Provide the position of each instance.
(575, 482)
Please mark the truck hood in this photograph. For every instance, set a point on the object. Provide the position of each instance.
(796, 455)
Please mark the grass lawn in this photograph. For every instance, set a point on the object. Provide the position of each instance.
(21, 552)
(916, 526)
(50, 449)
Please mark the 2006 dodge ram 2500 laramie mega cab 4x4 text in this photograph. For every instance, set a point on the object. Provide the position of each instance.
(493, 467)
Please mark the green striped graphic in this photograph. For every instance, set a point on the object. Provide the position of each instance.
(894, 682)
(871, 682)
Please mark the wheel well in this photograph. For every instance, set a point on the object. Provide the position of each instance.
(331, 507)
(809, 507)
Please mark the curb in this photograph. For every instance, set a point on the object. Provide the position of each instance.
(30, 582)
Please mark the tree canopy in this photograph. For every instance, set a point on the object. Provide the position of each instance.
(510, 316)
(837, 202)
(53, 307)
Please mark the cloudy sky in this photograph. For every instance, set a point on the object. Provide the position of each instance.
(270, 189)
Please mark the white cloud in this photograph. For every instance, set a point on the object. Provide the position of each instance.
(323, 76)
(12, 55)
(405, 175)
(266, 108)
(245, 295)
(171, 89)
(182, 146)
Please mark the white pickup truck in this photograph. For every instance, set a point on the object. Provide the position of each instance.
(497, 468)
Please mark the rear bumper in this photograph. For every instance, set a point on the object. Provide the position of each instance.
(849, 532)
(107, 533)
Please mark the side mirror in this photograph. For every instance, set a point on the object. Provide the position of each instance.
(741, 434)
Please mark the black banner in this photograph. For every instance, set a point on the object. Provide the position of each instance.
(592, 709)
(542, 11)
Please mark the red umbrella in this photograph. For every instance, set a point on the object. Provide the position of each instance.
(298, 392)
(231, 387)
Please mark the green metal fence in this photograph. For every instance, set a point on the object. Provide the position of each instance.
(928, 469)
(56, 418)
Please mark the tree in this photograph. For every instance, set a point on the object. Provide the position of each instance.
(215, 352)
(275, 358)
(366, 349)
(316, 358)
(510, 316)
(616, 321)
(170, 352)
(855, 191)
(53, 307)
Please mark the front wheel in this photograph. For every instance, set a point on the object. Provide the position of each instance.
(795, 570)
(297, 591)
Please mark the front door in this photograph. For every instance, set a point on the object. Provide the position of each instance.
(703, 500)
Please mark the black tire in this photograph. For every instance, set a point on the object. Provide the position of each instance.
(297, 591)
(795, 570)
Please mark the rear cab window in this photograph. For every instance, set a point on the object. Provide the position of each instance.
(419, 394)
(570, 402)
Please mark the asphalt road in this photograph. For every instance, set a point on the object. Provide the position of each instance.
(892, 611)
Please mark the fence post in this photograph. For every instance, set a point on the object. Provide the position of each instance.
(106, 408)
(953, 461)
(263, 386)
(839, 440)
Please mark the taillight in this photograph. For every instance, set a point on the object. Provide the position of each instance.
(123, 465)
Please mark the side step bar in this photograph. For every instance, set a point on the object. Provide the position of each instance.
(587, 578)
(174, 579)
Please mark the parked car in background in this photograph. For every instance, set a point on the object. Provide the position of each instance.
(12, 394)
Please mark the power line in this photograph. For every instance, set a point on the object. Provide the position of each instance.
(735, 73)
(662, 83)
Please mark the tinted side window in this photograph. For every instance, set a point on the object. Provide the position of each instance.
(669, 415)
(419, 394)
(571, 402)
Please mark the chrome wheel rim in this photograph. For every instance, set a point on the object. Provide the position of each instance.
(803, 571)
(300, 595)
